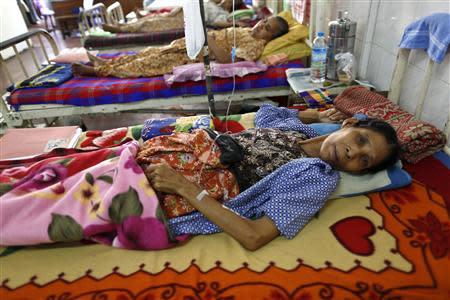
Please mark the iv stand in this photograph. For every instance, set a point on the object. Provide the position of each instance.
(206, 62)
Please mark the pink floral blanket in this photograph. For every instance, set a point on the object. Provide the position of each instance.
(101, 196)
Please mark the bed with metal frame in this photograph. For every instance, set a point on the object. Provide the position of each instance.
(25, 114)
(92, 19)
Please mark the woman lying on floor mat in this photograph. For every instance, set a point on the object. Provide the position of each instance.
(272, 180)
(155, 61)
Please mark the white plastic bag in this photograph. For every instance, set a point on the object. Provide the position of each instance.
(346, 67)
(193, 28)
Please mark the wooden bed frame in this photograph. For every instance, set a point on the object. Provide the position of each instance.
(51, 112)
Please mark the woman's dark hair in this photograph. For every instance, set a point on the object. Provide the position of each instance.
(389, 134)
(283, 27)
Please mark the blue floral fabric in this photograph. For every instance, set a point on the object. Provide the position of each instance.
(290, 197)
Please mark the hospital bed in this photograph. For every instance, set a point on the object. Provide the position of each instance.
(390, 244)
(81, 96)
(91, 21)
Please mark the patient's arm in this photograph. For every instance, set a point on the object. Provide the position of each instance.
(221, 24)
(331, 115)
(221, 55)
(252, 234)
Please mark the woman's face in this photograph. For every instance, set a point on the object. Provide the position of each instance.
(354, 149)
(265, 29)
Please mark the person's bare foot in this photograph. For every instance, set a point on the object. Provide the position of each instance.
(82, 70)
(111, 28)
(138, 13)
(95, 59)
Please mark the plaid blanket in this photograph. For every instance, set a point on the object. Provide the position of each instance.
(87, 91)
(133, 39)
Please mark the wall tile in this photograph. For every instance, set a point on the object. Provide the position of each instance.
(374, 65)
(410, 90)
(425, 8)
(392, 18)
(386, 69)
(442, 70)
(437, 103)
(359, 12)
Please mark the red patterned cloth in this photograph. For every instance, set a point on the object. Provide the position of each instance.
(417, 139)
(196, 156)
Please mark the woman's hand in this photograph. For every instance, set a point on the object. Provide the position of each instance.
(219, 53)
(165, 179)
(331, 115)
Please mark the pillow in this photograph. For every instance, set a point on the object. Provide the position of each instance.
(287, 15)
(352, 185)
(241, 14)
(296, 32)
(235, 123)
(417, 139)
(295, 51)
(73, 55)
(166, 126)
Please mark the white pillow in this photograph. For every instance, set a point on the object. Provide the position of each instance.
(352, 185)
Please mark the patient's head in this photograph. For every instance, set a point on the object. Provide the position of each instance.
(270, 28)
(228, 4)
(361, 146)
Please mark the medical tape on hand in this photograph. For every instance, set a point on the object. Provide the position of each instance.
(201, 195)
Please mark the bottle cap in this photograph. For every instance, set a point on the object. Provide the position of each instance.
(320, 33)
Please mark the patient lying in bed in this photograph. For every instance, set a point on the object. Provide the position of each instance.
(105, 196)
(154, 61)
(216, 15)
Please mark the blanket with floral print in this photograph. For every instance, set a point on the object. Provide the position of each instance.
(101, 196)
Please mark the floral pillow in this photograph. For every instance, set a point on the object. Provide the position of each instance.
(417, 139)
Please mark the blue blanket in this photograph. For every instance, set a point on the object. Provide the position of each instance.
(51, 75)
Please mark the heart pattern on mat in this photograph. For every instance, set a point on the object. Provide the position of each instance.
(353, 233)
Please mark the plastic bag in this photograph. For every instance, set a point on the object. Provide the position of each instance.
(346, 67)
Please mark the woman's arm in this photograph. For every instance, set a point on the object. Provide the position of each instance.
(221, 54)
(252, 234)
(221, 24)
(331, 115)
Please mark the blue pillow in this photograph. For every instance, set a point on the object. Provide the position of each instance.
(353, 185)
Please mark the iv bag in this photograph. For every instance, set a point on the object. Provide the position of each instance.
(193, 28)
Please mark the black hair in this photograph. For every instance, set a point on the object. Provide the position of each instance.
(283, 27)
(389, 134)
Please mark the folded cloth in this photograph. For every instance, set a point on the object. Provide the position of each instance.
(431, 33)
(317, 98)
(196, 71)
(51, 75)
(417, 139)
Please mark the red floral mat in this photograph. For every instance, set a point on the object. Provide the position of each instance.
(415, 217)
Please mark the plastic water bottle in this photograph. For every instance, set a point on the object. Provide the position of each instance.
(318, 58)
